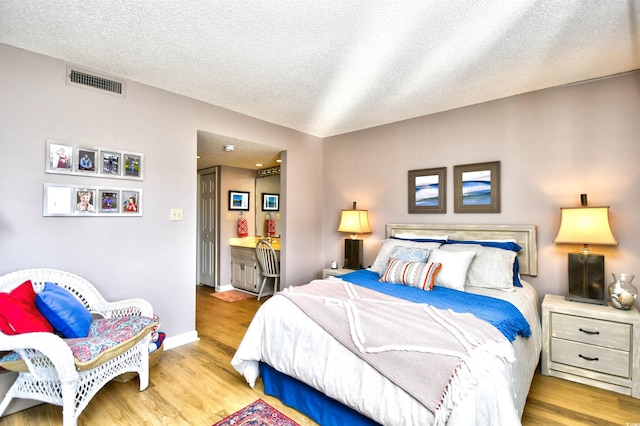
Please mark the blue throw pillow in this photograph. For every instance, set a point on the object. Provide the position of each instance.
(504, 245)
(67, 315)
(421, 240)
(411, 254)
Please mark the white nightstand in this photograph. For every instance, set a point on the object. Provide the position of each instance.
(591, 344)
(326, 273)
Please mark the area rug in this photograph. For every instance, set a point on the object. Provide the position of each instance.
(258, 413)
(232, 295)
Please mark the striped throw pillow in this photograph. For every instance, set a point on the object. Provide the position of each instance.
(414, 274)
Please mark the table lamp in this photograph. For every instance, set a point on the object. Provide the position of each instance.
(354, 222)
(586, 225)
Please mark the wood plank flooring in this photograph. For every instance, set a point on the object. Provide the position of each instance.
(195, 384)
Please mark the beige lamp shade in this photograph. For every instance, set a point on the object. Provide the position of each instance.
(585, 225)
(354, 222)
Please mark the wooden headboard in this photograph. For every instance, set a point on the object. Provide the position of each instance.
(524, 235)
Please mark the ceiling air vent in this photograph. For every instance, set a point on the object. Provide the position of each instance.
(90, 80)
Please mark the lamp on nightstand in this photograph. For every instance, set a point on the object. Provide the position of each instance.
(354, 222)
(586, 225)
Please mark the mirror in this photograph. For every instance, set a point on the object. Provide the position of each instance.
(270, 206)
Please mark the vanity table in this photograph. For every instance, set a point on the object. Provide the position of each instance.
(246, 273)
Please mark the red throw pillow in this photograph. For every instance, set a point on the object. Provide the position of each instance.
(18, 311)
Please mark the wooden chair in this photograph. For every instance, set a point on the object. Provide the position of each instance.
(269, 264)
(51, 373)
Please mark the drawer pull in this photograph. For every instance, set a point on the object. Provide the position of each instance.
(588, 358)
(589, 331)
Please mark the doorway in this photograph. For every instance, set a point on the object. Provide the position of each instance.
(216, 153)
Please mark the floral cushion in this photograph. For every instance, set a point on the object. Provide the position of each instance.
(108, 338)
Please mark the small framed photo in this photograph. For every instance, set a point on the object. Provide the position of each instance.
(131, 202)
(57, 200)
(132, 166)
(85, 200)
(270, 202)
(86, 161)
(477, 188)
(428, 190)
(109, 200)
(110, 163)
(59, 158)
(239, 200)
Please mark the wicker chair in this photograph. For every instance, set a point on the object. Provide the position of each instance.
(52, 375)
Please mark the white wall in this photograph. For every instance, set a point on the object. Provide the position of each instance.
(553, 145)
(147, 256)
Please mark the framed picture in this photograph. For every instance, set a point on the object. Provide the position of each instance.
(477, 188)
(238, 200)
(86, 161)
(133, 166)
(270, 202)
(59, 158)
(131, 202)
(75, 201)
(428, 190)
(85, 200)
(109, 201)
(57, 200)
(110, 163)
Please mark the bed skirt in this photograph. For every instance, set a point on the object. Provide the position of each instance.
(322, 409)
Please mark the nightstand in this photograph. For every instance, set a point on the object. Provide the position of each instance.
(326, 273)
(591, 344)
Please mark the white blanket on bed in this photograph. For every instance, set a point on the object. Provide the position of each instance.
(287, 339)
(442, 353)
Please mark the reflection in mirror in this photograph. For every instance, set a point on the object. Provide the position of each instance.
(267, 216)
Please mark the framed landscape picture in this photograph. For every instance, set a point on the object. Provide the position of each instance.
(477, 188)
(239, 200)
(270, 202)
(428, 190)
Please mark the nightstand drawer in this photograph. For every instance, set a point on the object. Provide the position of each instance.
(596, 358)
(592, 331)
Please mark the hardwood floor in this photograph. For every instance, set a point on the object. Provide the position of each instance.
(195, 384)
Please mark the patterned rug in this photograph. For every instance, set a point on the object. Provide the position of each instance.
(232, 295)
(258, 413)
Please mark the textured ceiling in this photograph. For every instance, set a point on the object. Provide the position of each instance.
(331, 67)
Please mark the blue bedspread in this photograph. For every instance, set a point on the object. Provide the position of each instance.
(500, 313)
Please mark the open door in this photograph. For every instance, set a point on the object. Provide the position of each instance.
(208, 229)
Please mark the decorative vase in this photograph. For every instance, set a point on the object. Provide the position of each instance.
(622, 293)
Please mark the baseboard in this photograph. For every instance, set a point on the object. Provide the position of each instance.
(181, 339)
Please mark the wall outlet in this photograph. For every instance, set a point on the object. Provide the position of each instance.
(176, 214)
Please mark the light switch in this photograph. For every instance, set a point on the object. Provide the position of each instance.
(176, 214)
(228, 216)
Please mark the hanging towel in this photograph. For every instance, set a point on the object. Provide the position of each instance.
(243, 227)
(271, 224)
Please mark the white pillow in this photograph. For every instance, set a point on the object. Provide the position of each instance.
(455, 265)
(386, 248)
(491, 267)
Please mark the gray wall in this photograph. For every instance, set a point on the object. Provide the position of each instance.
(553, 145)
(147, 256)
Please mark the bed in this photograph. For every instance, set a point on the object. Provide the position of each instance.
(355, 350)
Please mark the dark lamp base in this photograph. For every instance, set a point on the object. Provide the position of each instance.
(352, 254)
(586, 278)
